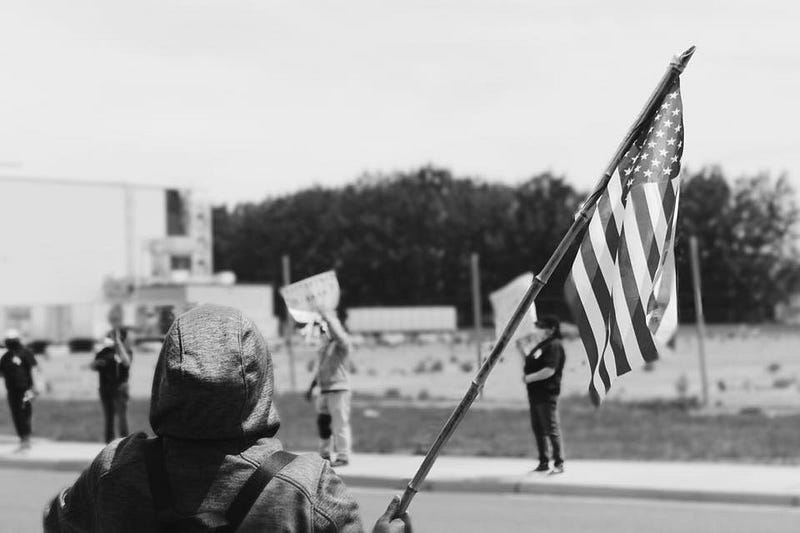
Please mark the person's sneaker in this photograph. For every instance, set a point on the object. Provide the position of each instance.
(340, 461)
(558, 469)
(325, 456)
(543, 467)
(24, 447)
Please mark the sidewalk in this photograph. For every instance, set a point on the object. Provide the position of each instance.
(697, 482)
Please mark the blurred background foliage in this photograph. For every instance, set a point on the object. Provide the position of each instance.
(405, 238)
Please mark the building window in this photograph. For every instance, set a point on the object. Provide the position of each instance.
(180, 262)
(177, 214)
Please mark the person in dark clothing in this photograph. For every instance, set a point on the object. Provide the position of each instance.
(17, 367)
(544, 365)
(113, 363)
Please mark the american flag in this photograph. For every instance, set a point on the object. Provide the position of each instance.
(621, 289)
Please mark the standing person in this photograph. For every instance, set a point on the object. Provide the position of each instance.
(216, 463)
(18, 368)
(333, 380)
(116, 403)
(113, 363)
(544, 366)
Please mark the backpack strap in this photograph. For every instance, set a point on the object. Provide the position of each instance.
(254, 486)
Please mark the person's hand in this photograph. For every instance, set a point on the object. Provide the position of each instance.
(29, 395)
(388, 524)
(330, 317)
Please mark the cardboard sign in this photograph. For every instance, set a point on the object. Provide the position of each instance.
(306, 298)
(505, 301)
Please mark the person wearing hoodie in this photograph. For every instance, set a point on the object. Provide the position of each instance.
(215, 460)
(18, 366)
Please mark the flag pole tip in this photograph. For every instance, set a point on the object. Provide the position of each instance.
(679, 62)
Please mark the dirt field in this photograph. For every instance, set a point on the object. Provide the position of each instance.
(748, 367)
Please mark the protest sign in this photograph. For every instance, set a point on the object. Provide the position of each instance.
(505, 301)
(306, 298)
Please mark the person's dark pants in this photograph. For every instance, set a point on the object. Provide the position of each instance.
(115, 404)
(546, 426)
(21, 413)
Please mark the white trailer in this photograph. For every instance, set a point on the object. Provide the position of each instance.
(412, 319)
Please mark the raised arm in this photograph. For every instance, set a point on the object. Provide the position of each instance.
(122, 349)
(336, 329)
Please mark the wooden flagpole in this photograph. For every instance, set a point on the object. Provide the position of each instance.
(676, 67)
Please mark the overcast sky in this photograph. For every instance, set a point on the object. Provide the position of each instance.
(250, 98)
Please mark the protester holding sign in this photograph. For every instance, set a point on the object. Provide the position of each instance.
(313, 302)
(333, 380)
(113, 363)
(544, 365)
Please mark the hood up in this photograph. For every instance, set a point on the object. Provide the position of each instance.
(213, 379)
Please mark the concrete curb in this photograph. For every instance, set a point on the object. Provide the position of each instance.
(501, 486)
(61, 465)
(498, 486)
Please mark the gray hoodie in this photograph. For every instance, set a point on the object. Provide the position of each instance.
(212, 405)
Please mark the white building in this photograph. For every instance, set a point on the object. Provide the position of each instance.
(788, 311)
(69, 250)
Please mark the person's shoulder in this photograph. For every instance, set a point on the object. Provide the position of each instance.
(28, 355)
(330, 498)
(116, 456)
(305, 470)
(557, 345)
(120, 453)
(104, 353)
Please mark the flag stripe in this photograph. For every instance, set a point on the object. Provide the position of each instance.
(586, 330)
(636, 316)
(617, 346)
(654, 194)
(639, 206)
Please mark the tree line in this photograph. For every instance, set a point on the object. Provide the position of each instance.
(406, 238)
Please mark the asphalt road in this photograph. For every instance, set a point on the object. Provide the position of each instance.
(24, 492)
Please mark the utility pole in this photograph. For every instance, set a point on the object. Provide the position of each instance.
(129, 206)
(289, 324)
(477, 316)
(701, 326)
